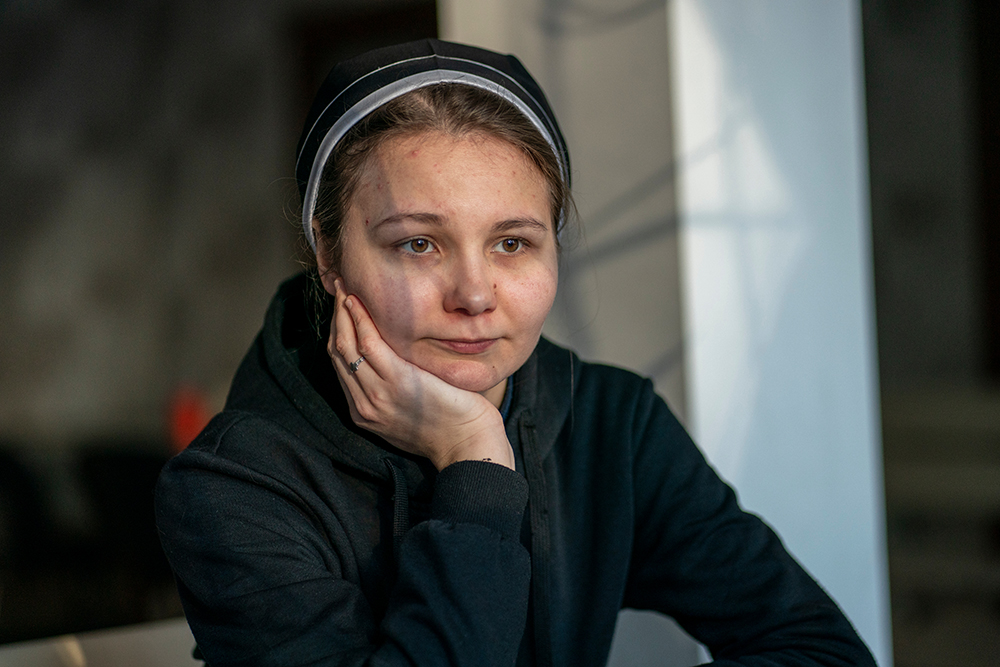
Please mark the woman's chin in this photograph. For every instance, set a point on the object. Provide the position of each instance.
(459, 375)
(476, 376)
(477, 373)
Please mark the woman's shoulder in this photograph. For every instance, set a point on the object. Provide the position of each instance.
(243, 445)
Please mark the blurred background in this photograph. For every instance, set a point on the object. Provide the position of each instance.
(147, 214)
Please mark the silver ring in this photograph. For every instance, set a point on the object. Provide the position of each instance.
(354, 364)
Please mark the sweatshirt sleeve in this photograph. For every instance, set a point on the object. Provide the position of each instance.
(462, 593)
(263, 585)
(722, 573)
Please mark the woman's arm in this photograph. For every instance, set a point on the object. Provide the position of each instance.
(269, 575)
(720, 572)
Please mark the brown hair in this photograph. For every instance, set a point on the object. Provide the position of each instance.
(452, 108)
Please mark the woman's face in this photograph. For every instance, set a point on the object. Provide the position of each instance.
(450, 244)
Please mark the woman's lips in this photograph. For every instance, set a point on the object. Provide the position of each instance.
(468, 346)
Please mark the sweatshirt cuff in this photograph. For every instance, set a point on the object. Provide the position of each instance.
(483, 493)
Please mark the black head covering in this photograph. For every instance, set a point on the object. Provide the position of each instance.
(358, 86)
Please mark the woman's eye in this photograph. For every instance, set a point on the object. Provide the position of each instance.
(418, 246)
(510, 245)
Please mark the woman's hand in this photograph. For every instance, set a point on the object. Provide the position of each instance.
(409, 407)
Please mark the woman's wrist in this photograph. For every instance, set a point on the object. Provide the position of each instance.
(487, 443)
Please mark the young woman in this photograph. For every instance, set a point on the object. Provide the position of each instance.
(406, 472)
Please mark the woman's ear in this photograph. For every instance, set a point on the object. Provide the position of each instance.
(327, 274)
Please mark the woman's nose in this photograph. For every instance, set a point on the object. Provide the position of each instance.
(471, 287)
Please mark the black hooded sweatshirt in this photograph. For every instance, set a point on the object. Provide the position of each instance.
(299, 539)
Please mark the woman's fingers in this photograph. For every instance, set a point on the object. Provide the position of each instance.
(368, 342)
(342, 346)
(363, 327)
(342, 333)
(364, 362)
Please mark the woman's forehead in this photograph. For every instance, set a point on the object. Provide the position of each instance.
(435, 151)
(432, 176)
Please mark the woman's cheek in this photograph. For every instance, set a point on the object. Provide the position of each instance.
(394, 306)
(537, 294)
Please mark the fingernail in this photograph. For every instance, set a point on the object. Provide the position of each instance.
(349, 302)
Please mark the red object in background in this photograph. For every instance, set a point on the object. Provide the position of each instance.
(189, 414)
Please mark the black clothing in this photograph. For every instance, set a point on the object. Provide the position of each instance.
(299, 539)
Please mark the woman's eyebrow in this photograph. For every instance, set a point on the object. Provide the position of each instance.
(521, 223)
(436, 220)
(427, 218)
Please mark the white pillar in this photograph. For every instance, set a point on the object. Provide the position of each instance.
(777, 279)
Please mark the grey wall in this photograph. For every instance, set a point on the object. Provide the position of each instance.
(924, 208)
(143, 177)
